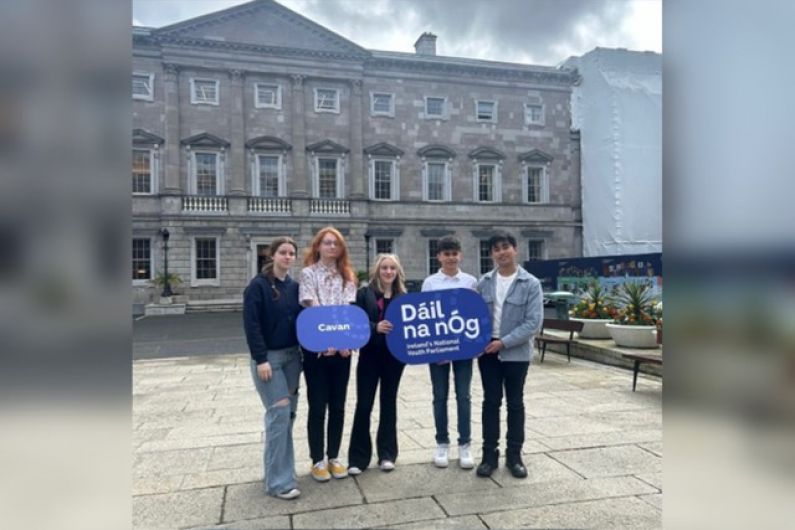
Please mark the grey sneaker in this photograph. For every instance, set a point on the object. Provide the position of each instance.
(387, 465)
(440, 455)
(289, 494)
(353, 470)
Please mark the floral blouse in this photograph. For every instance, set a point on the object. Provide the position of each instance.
(323, 285)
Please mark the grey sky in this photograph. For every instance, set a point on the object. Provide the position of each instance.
(526, 31)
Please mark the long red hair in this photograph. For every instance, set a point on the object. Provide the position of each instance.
(312, 253)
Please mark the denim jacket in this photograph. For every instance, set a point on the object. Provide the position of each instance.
(522, 313)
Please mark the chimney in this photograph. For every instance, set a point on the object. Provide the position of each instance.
(426, 44)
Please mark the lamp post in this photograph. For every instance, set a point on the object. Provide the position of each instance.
(367, 252)
(166, 284)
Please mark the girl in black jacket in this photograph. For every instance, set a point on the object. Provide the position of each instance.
(387, 282)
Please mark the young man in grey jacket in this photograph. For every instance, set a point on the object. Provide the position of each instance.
(515, 302)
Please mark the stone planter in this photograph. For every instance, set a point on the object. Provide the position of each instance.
(593, 328)
(633, 336)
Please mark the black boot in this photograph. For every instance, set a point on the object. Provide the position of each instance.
(515, 465)
(489, 463)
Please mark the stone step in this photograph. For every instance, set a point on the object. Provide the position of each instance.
(214, 306)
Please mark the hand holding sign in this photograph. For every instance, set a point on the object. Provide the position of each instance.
(333, 327)
(436, 326)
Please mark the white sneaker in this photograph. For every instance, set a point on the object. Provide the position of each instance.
(440, 455)
(289, 494)
(353, 470)
(465, 457)
(387, 465)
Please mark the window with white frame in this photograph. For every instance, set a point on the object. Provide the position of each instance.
(384, 246)
(205, 174)
(143, 86)
(142, 171)
(267, 96)
(486, 110)
(437, 181)
(435, 107)
(141, 259)
(536, 185)
(328, 178)
(535, 249)
(327, 100)
(383, 180)
(533, 114)
(269, 182)
(205, 269)
(486, 263)
(486, 182)
(204, 91)
(382, 104)
(433, 263)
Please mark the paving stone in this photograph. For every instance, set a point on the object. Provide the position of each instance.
(278, 522)
(567, 425)
(177, 510)
(209, 441)
(609, 461)
(419, 480)
(626, 512)
(654, 447)
(655, 479)
(367, 516)
(601, 439)
(249, 501)
(201, 430)
(149, 485)
(655, 500)
(539, 494)
(223, 477)
(470, 522)
(232, 456)
(540, 468)
(631, 419)
(171, 462)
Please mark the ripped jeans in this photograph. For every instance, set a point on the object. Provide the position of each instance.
(279, 456)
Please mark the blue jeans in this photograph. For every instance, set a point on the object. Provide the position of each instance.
(440, 379)
(279, 457)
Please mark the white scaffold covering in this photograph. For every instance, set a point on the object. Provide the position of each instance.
(617, 107)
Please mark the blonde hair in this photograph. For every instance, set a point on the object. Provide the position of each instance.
(399, 285)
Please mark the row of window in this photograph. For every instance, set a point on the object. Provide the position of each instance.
(205, 259)
(269, 179)
(269, 96)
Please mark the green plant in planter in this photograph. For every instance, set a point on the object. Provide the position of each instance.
(362, 277)
(173, 278)
(595, 304)
(637, 306)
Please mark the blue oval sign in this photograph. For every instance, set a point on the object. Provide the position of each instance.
(434, 326)
(333, 326)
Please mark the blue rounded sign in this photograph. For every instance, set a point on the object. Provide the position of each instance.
(434, 326)
(333, 326)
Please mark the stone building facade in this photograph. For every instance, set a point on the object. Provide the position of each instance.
(254, 122)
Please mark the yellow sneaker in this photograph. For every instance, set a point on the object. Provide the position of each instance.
(338, 470)
(320, 472)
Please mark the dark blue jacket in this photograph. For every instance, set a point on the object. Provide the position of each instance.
(269, 323)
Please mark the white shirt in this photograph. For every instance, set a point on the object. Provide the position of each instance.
(440, 281)
(501, 291)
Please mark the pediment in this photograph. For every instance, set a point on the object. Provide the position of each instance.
(436, 151)
(205, 140)
(383, 149)
(143, 137)
(327, 147)
(535, 156)
(268, 143)
(486, 153)
(260, 23)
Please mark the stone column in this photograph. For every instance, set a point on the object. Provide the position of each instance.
(171, 166)
(357, 186)
(299, 181)
(236, 122)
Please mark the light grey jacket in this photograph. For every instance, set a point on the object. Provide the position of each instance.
(522, 313)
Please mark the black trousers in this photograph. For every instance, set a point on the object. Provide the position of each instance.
(497, 375)
(375, 365)
(326, 388)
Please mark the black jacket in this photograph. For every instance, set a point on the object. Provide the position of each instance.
(367, 299)
(269, 323)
